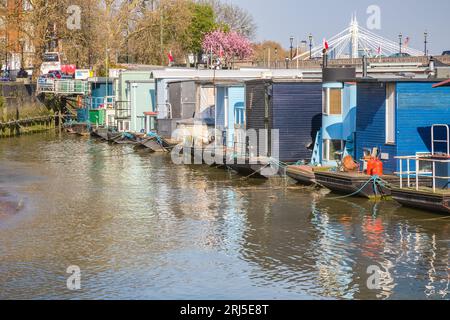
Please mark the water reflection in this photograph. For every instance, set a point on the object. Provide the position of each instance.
(140, 227)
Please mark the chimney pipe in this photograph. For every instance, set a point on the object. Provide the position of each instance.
(364, 66)
(325, 58)
(432, 67)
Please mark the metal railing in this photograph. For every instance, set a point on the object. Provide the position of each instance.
(63, 87)
(414, 175)
(94, 103)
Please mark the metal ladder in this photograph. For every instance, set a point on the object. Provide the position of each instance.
(434, 142)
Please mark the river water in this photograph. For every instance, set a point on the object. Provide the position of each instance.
(140, 227)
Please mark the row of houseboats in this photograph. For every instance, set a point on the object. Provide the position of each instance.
(379, 132)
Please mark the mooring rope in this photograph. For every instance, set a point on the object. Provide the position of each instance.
(376, 180)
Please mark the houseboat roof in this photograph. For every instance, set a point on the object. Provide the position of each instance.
(211, 82)
(100, 79)
(385, 80)
(285, 80)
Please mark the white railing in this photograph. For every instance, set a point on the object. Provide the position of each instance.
(416, 174)
(46, 87)
(63, 87)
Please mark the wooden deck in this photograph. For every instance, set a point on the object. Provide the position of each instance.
(425, 198)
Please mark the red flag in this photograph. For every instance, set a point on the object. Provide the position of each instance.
(407, 41)
(170, 56)
(325, 44)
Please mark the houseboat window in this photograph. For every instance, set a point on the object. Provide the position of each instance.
(332, 101)
(325, 101)
(239, 113)
(335, 101)
(390, 113)
(332, 149)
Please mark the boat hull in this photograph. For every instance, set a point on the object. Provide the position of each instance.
(255, 170)
(302, 174)
(355, 184)
(433, 202)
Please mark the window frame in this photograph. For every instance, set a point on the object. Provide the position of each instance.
(390, 114)
(326, 101)
(326, 144)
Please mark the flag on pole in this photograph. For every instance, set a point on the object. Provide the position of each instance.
(325, 44)
(407, 41)
(170, 56)
(379, 51)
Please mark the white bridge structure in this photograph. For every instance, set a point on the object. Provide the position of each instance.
(356, 41)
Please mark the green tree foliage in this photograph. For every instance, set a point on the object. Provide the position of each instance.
(203, 21)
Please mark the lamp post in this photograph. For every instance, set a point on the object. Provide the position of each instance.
(426, 43)
(400, 37)
(310, 46)
(276, 58)
(292, 47)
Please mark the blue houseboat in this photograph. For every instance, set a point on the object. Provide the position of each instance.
(100, 102)
(337, 135)
(425, 177)
(336, 138)
(396, 116)
(230, 115)
(286, 115)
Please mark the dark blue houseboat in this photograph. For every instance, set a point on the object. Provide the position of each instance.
(285, 115)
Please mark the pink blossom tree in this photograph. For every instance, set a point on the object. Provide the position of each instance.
(227, 45)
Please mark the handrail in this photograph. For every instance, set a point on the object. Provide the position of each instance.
(417, 173)
(63, 86)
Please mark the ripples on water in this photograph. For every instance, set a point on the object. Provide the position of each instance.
(141, 227)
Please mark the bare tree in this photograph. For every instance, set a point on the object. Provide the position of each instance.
(235, 17)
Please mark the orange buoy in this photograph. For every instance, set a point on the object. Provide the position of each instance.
(377, 169)
(370, 166)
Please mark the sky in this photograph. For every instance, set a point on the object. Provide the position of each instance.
(280, 19)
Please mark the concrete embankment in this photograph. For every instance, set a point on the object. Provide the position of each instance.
(21, 112)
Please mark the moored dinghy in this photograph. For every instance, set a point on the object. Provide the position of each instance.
(126, 138)
(302, 174)
(427, 188)
(100, 133)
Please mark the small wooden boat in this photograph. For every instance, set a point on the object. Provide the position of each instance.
(424, 198)
(302, 174)
(71, 131)
(357, 184)
(152, 143)
(80, 129)
(126, 138)
(256, 168)
(100, 133)
(113, 136)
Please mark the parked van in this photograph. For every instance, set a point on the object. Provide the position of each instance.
(51, 61)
